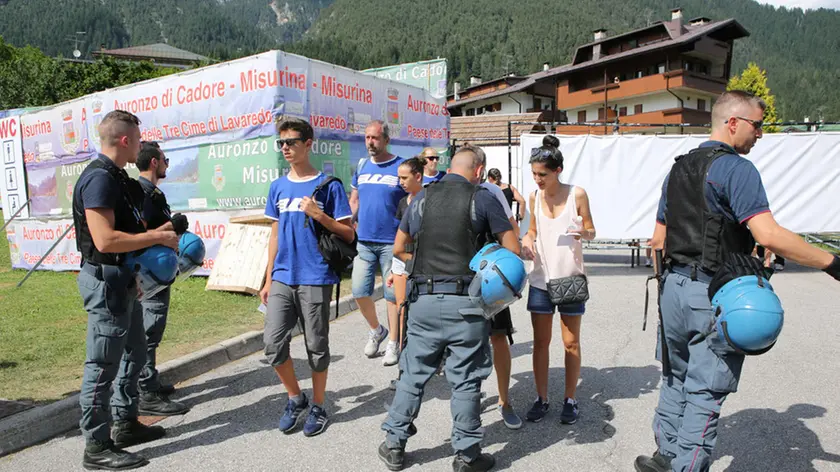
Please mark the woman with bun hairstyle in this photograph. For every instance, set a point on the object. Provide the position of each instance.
(560, 219)
(410, 174)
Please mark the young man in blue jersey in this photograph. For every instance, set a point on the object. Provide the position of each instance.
(374, 200)
(298, 281)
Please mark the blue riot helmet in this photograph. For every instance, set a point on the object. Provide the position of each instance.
(191, 252)
(499, 279)
(749, 314)
(155, 269)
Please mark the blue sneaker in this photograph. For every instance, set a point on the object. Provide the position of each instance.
(538, 411)
(292, 414)
(316, 422)
(570, 412)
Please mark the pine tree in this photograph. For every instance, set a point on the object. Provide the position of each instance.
(754, 80)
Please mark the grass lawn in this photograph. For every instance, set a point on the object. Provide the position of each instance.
(43, 326)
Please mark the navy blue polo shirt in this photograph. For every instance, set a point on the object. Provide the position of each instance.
(489, 216)
(733, 188)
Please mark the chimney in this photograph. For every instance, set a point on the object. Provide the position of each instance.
(457, 90)
(600, 34)
(545, 67)
(475, 80)
(676, 14)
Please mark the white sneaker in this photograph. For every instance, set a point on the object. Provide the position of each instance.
(778, 267)
(392, 354)
(375, 339)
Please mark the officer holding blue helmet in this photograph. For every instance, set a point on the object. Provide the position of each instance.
(445, 225)
(109, 225)
(716, 301)
(153, 164)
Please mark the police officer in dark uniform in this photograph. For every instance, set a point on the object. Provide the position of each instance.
(445, 225)
(152, 164)
(712, 211)
(109, 225)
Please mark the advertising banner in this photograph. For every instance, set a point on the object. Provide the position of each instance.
(216, 126)
(30, 239)
(12, 176)
(428, 75)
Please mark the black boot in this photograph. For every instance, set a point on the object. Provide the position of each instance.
(166, 389)
(156, 404)
(657, 463)
(394, 459)
(482, 463)
(107, 456)
(130, 433)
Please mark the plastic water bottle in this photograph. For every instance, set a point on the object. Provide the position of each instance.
(577, 225)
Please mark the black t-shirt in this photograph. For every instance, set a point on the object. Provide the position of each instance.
(156, 211)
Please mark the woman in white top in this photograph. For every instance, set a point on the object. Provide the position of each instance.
(560, 218)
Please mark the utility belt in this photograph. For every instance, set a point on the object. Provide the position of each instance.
(113, 275)
(692, 272)
(440, 286)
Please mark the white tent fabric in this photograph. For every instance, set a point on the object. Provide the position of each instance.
(623, 176)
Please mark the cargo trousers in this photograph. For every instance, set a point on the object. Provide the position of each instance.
(438, 324)
(155, 311)
(704, 370)
(115, 349)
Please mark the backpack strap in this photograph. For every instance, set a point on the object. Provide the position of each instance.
(321, 186)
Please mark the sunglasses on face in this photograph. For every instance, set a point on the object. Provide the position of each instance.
(757, 124)
(288, 142)
(432, 158)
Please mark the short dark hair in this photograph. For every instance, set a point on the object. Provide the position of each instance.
(495, 174)
(296, 124)
(115, 125)
(548, 154)
(148, 150)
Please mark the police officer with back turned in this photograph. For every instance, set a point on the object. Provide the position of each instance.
(153, 164)
(108, 225)
(447, 222)
(712, 211)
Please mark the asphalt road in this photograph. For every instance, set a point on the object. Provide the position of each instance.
(783, 418)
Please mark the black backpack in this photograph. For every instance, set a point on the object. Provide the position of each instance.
(337, 252)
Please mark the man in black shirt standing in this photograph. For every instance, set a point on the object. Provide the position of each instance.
(152, 164)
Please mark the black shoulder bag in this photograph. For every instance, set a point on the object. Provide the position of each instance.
(564, 290)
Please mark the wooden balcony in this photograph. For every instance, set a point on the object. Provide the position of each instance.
(678, 79)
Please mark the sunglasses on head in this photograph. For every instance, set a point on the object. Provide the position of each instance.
(540, 152)
(288, 142)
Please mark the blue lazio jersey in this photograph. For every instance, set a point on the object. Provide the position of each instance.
(298, 261)
(379, 195)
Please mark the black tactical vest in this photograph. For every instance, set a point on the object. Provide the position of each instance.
(127, 216)
(696, 236)
(154, 197)
(446, 241)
